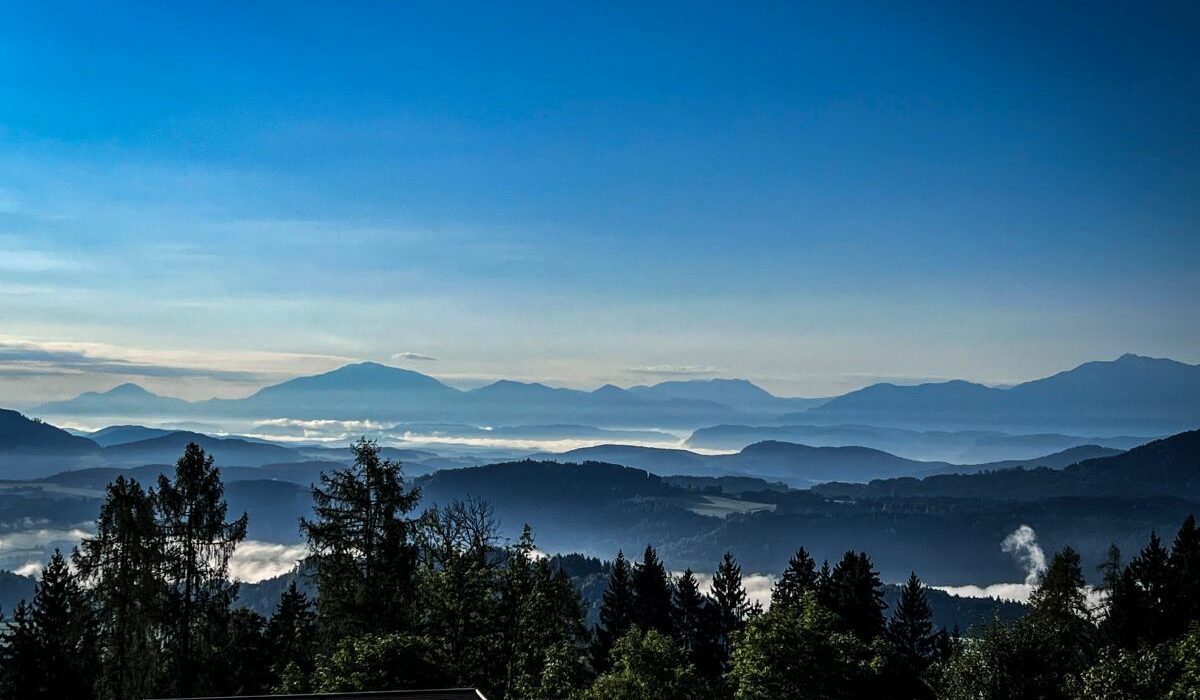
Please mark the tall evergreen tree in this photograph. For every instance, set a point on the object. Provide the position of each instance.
(197, 544)
(362, 541)
(651, 594)
(543, 628)
(119, 565)
(66, 633)
(729, 602)
(798, 578)
(1184, 588)
(22, 676)
(910, 629)
(246, 656)
(1150, 573)
(291, 634)
(856, 596)
(616, 612)
(687, 612)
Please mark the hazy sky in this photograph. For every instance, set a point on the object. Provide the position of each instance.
(206, 197)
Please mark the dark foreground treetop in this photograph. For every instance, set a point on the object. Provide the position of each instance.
(438, 694)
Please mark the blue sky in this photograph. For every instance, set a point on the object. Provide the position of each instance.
(206, 197)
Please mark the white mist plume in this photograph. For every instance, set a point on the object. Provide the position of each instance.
(1022, 543)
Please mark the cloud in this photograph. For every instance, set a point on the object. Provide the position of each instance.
(23, 359)
(35, 261)
(758, 586)
(675, 370)
(1022, 543)
(413, 357)
(255, 561)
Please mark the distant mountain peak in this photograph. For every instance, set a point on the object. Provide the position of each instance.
(129, 389)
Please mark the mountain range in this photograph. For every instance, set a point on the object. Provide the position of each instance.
(1131, 395)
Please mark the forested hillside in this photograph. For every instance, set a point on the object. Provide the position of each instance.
(396, 594)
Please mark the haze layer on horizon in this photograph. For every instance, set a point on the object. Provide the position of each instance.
(207, 198)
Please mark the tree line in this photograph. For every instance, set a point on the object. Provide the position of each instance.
(405, 599)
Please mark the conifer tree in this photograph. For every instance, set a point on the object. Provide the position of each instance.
(65, 631)
(291, 634)
(22, 675)
(910, 629)
(246, 654)
(798, 578)
(729, 602)
(856, 596)
(362, 541)
(616, 612)
(687, 612)
(1150, 573)
(119, 565)
(1184, 588)
(197, 544)
(651, 594)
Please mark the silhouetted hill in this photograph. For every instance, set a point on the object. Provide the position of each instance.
(29, 447)
(1163, 468)
(956, 447)
(798, 465)
(167, 449)
(737, 393)
(19, 434)
(1058, 460)
(1130, 394)
(120, 434)
(122, 400)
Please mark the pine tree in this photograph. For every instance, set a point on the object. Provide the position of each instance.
(65, 631)
(798, 578)
(197, 545)
(247, 655)
(363, 545)
(651, 594)
(729, 600)
(687, 612)
(544, 651)
(291, 633)
(616, 612)
(910, 629)
(22, 676)
(1151, 583)
(119, 565)
(1184, 588)
(856, 596)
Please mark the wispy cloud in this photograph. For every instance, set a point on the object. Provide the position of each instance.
(675, 370)
(32, 359)
(413, 357)
(35, 261)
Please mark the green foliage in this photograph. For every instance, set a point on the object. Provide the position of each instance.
(291, 634)
(120, 565)
(1121, 674)
(796, 651)
(799, 578)
(541, 628)
(616, 612)
(374, 662)
(651, 594)
(646, 666)
(362, 540)
(729, 604)
(197, 543)
(854, 593)
(246, 654)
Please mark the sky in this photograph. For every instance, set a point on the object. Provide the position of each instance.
(207, 197)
